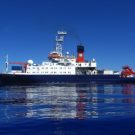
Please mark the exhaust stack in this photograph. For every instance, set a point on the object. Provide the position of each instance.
(80, 54)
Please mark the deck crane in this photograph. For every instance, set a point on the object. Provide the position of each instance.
(127, 71)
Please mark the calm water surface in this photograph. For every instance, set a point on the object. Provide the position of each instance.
(71, 109)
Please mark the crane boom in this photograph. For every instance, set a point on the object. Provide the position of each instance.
(18, 63)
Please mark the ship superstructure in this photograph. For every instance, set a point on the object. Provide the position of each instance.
(58, 63)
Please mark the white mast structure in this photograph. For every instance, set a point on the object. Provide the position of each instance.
(6, 62)
(59, 41)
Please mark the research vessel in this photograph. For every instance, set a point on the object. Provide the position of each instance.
(62, 68)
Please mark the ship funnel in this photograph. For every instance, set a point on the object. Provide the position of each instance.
(80, 54)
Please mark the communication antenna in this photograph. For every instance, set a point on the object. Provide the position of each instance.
(6, 62)
(59, 41)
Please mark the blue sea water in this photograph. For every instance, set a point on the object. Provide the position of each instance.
(68, 109)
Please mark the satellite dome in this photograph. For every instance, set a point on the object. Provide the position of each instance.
(93, 60)
(30, 62)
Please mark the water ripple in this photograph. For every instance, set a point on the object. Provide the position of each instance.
(84, 101)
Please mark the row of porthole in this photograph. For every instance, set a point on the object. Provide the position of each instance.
(51, 72)
(51, 68)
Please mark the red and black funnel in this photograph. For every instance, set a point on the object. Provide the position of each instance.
(80, 54)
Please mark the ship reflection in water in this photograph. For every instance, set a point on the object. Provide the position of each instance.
(72, 101)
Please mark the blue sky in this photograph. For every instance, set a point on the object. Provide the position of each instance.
(105, 27)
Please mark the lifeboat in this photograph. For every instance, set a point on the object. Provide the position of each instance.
(54, 55)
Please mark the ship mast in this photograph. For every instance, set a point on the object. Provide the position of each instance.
(6, 62)
(59, 41)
